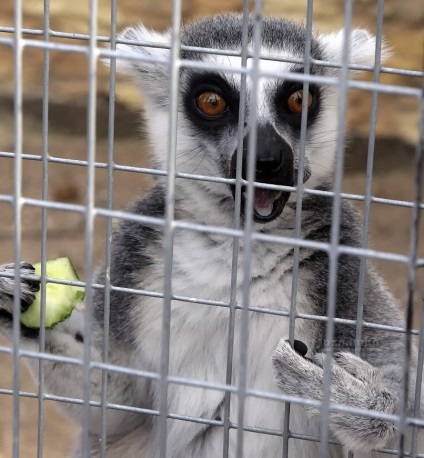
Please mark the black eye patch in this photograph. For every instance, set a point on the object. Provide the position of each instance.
(202, 83)
(284, 110)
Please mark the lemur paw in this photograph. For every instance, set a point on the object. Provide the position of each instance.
(354, 382)
(28, 287)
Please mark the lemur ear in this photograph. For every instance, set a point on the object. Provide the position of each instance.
(145, 55)
(361, 50)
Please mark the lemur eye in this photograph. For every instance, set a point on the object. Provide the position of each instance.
(211, 104)
(295, 100)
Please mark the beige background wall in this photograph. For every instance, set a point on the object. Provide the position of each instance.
(394, 168)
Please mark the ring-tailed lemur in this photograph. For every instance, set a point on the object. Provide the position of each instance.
(207, 142)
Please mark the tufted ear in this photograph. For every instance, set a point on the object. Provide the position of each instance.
(147, 65)
(361, 47)
(146, 57)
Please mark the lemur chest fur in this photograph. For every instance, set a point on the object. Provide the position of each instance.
(202, 269)
(199, 332)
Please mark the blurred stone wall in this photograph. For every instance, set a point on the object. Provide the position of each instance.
(403, 29)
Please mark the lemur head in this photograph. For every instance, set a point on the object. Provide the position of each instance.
(209, 102)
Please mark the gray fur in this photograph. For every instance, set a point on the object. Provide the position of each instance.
(202, 266)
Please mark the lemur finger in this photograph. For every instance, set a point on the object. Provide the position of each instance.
(295, 374)
(6, 319)
(6, 302)
(343, 383)
(300, 348)
(27, 269)
(356, 366)
(320, 358)
(337, 373)
(33, 285)
(6, 326)
(7, 282)
(26, 301)
(286, 356)
(28, 286)
(359, 432)
(24, 266)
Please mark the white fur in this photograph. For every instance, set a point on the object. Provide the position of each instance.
(361, 49)
(141, 38)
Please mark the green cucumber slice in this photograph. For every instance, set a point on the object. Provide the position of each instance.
(60, 299)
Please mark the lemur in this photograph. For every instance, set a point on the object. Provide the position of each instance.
(207, 138)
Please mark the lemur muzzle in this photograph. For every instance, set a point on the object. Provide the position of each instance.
(274, 165)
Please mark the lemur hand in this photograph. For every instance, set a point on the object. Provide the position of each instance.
(354, 383)
(7, 287)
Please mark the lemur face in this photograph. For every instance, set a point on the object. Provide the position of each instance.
(209, 103)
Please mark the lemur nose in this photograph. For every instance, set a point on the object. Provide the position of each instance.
(274, 157)
(269, 161)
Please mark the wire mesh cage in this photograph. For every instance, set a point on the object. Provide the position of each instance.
(173, 353)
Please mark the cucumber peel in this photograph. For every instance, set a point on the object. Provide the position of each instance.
(60, 299)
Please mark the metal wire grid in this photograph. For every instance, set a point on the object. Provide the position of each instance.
(91, 49)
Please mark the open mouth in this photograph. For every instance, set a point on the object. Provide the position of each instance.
(264, 202)
(267, 204)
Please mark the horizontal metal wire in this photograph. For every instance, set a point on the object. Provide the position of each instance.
(189, 176)
(281, 397)
(330, 81)
(188, 418)
(196, 49)
(278, 239)
(214, 303)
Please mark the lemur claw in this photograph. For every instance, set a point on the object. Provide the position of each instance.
(28, 286)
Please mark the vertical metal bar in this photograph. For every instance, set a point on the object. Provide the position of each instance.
(369, 176)
(89, 219)
(335, 231)
(248, 226)
(108, 250)
(17, 216)
(368, 188)
(236, 225)
(169, 220)
(412, 274)
(299, 197)
(44, 192)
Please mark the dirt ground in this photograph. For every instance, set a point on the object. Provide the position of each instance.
(390, 227)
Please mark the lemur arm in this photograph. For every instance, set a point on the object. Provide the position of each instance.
(65, 379)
